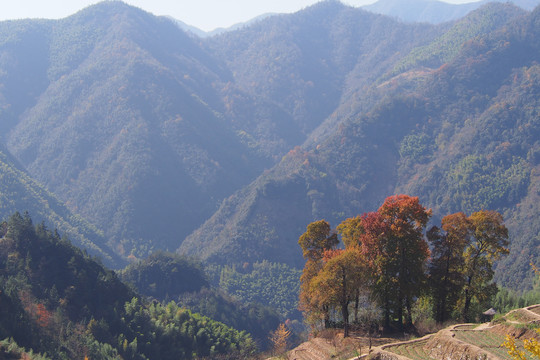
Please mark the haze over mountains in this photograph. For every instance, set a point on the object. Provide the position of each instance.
(227, 147)
(433, 11)
(428, 11)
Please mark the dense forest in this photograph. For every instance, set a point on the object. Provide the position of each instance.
(461, 135)
(192, 166)
(59, 302)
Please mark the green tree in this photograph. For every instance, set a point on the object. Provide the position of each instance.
(488, 242)
(446, 267)
(317, 239)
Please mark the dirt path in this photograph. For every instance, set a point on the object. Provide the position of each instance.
(483, 326)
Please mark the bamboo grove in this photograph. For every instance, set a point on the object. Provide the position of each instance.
(389, 256)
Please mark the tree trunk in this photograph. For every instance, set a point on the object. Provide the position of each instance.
(356, 304)
(345, 304)
(386, 311)
(400, 309)
(441, 312)
(408, 319)
(326, 317)
(345, 314)
(465, 314)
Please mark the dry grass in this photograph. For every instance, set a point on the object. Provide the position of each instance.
(535, 310)
(485, 340)
(521, 316)
(414, 351)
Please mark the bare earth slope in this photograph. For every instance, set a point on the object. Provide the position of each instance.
(462, 341)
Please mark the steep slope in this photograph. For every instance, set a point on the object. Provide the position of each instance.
(131, 127)
(142, 131)
(445, 48)
(19, 192)
(435, 133)
(302, 61)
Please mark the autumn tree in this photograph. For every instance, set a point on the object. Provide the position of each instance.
(531, 345)
(317, 239)
(394, 250)
(339, 280)
(279, 338)
(402, 254)
(488, 242)
(364, 232)
(446, 277)
(352, 230)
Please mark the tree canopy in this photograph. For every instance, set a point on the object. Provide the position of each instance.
(386, 254)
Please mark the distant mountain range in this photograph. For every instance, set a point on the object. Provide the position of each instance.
(201, 33)
(226, 147)
(429, 11)
(433, 11)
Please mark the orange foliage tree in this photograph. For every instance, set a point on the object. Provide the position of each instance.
(317, 239)
(387, 253)
(404, 250)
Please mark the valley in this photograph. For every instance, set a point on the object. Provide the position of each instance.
(175, 174)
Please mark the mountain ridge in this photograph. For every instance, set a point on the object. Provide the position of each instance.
(359, 151)
(166, 141)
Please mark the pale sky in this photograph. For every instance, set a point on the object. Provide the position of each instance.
(204, 14)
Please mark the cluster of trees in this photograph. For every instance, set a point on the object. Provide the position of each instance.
(166, 277)
(387, 254)
(262, 282)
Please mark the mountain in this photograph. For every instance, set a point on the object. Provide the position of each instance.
(129, 122)
(307, 61)
(430, 11)
(189, 28)
(144, 130)
(19, 191)
(433, 11)
(462, 135)
(226, 147)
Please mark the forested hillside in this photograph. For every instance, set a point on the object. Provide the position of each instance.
(57, 301)
(19, 191)
(127, 130)
(461, 134)
(226, 147)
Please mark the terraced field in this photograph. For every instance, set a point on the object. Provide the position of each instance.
(522, 315)
(462, 341)
(414, 351)
(485, 340)
(535, 310)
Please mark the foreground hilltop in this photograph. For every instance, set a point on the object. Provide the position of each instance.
(473, 341)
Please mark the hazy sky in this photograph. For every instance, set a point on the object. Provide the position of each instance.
(204, 14)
